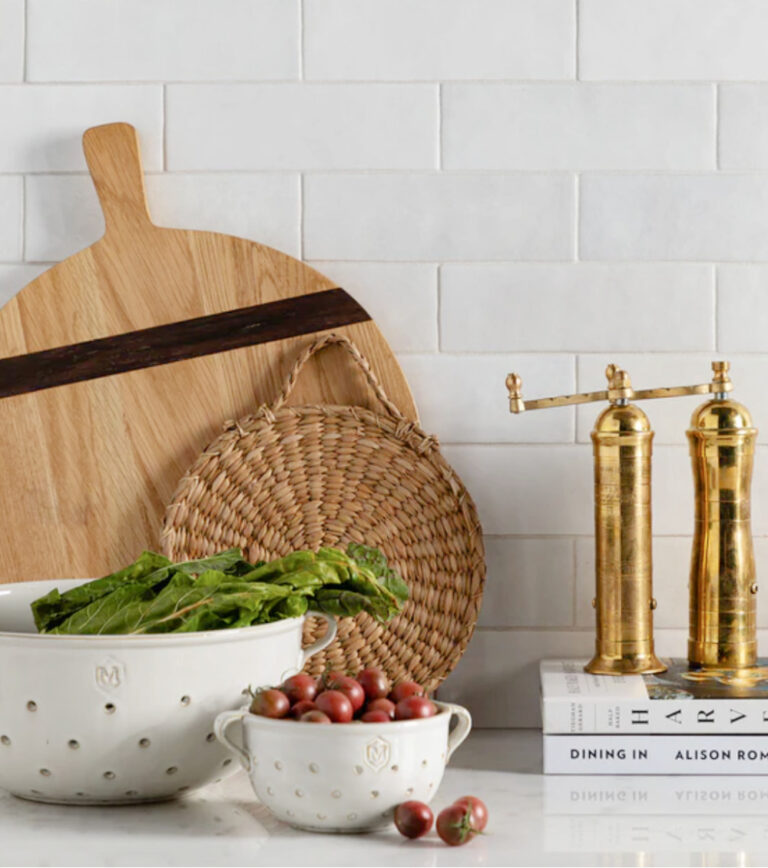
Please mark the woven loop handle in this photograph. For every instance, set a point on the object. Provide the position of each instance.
(362, 363)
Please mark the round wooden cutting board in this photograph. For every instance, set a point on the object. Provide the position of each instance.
(121, 363)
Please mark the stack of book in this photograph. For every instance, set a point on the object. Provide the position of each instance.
(676, 722)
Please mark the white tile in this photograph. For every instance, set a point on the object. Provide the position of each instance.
(401, 297)
(10, 218)
(428, 217)
(578, 126)
(684, 39)
(529, 582)
(516, 308)
(670, 418)
(63, 213)
(742, 308)
(463, 399)
(671, 566)
(154, 40)
(528, 490)
(743, 126)
(438, 39)
(302, 126)
(16, 277)
(498, 676)
(11, 40)
(701, 217)
(45, 123)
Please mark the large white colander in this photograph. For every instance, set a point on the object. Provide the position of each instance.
(119, 719)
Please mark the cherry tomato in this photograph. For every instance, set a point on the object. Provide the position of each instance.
(454, 825)
(376, 717)
(270, 703)
(336, 705)
(414, 706)
(314, 716)
(385, 705)
(479, 811)
(374, 682)
(413, 819)
(405, 689)
(300, 708)
(300, 687)
(347, 685)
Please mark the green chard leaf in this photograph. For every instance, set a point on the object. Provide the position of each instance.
(376, 562)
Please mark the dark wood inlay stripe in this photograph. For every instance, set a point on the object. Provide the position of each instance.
(188, 339)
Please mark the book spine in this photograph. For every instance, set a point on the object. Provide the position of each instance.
(655, 716)
(655, 755)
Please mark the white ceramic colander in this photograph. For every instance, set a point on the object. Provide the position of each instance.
(111, 719)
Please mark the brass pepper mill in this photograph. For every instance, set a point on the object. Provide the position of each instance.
(622, 440)
(722, 587)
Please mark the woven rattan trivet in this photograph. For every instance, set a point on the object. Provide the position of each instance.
(289, 478)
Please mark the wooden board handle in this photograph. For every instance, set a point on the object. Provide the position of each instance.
(114, 160)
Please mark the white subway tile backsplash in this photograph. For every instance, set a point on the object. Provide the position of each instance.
(699, 217)
(438, 39)
(11, 194)
(742, 308)
(682, 39)
(401, 297)
(671, 565)
(11, 40)
(519, 308)
(670, 418)
(16, 277)
(528, 490)
(63, 214)
(578, 126)
(302, 126)
(45, 123)
(743, 127)
(463, 398)
(153, 40)
(439, 216)
(529, 583)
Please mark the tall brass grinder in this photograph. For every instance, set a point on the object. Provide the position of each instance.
(722, 581)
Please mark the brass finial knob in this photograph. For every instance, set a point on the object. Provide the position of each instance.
(721, 378)
(515, 388)
(619, 383)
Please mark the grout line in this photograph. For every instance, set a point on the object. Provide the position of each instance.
(301, 40)
(577, 218)
(439, 288)
(577, 38)
(25, 39)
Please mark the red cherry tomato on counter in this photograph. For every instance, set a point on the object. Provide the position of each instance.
(348, 686)
(413, 819)
(405, 689)
(301, 708)
(374, 682)
(270, 703)
(454, 825)
(414, 706)
(376, 717)
(336, 705)
(314, 716)
(479, 816)
(300, 687)
(385, 705)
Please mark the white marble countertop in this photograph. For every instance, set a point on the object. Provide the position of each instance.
(534, 820)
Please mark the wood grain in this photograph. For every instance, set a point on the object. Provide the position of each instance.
(87, 468)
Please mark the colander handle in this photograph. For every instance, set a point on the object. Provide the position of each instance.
(324, 641)
(462, 728)
(220, 727)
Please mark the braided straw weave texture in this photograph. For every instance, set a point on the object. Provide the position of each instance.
(301, 477)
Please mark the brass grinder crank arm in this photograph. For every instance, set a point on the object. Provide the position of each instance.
(619, 390)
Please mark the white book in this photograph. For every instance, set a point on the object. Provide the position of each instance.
(675, 702)
(655, 755)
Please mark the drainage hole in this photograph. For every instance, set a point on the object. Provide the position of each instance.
(171, 770)
(110, 708)
(144, 742)
(74, 743)
(110, 776)
(4, 739)
(31, 705)
(185, 700)
(46, 773)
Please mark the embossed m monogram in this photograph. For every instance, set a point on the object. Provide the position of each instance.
(108, 676)
(377, 753)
